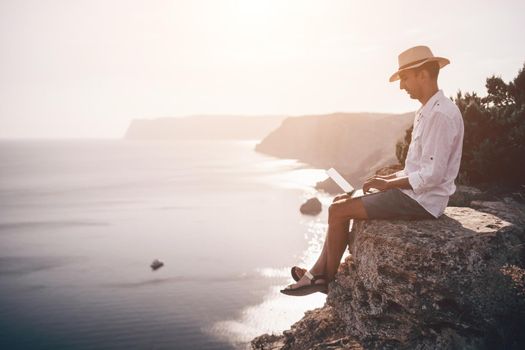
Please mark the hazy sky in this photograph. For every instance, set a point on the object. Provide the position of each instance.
(86, 68)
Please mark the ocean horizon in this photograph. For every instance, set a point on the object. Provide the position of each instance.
(83, 219)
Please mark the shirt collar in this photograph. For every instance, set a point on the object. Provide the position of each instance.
(430, 104)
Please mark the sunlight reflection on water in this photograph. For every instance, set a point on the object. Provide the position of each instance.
(303, 179)
(277, 312)
(81, 234)
(292, 174)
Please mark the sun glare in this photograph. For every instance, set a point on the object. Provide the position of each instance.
(253, 11)
(304, 179)
(255, 28)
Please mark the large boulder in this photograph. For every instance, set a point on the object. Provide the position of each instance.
(453, 283)
(312, 206)
(464, 195)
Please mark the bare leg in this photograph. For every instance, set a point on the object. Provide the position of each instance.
(319, 267)
(340, 214)
(337, 239)
(334, 245)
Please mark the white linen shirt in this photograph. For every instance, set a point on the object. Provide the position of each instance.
(434, 155)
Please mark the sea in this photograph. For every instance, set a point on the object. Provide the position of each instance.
(82, 220)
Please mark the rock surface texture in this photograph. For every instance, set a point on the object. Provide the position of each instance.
(453, 283)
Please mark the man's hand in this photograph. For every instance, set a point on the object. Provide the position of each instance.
(341, 197)
(377, 182)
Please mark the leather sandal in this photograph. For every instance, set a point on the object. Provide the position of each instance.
(308, 288)
(295, 275)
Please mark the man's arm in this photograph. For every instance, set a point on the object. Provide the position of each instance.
(399, 182)
(386, 177)
(383, 184)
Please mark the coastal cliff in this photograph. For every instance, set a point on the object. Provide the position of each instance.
(353, 143)
(453, 283)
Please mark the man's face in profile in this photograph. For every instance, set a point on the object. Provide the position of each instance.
(408, 81)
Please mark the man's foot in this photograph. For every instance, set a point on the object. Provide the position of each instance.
(298, 273)
(308, 284)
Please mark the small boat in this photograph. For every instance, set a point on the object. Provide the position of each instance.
(156, 264)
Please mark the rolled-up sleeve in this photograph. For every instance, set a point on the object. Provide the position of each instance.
(436, 148)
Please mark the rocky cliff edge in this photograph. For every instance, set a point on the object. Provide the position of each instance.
(453, 283)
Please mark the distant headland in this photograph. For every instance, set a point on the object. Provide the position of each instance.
(354, 143)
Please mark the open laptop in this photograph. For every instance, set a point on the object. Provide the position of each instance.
(345, 185)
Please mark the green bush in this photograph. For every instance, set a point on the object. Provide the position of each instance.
(494, 141)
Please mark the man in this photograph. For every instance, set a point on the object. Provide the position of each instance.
(420, 191)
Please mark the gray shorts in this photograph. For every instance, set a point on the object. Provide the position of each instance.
(393, 204)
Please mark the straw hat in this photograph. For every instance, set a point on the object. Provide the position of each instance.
(415, 57)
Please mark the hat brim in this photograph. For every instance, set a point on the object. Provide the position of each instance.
(441, 60)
